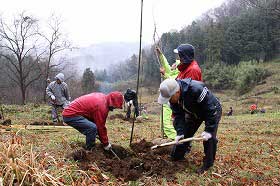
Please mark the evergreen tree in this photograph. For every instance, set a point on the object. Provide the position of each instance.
(88, 81)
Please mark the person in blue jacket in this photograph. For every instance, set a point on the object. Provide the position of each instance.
(190, 97)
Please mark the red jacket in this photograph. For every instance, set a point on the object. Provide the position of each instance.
(95, 107)
(191, 70)
(253, 107)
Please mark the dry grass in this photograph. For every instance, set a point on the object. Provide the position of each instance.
(248, 149)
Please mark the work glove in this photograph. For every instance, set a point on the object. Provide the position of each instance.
(108, 147)
(177, 138)
(206, 135)
(129, 103)
(53, 97)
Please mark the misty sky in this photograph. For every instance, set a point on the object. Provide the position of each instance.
(95, 21)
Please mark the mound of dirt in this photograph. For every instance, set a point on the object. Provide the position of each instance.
(138, 162)
(116, 116)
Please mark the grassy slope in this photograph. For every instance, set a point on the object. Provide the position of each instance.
(248, 149)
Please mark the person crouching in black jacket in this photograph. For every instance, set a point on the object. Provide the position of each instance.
(130, 98)
(188, 97)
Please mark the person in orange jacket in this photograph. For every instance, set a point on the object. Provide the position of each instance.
(253, 108)
(88, 115)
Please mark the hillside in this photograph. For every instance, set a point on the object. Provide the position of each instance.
(266, 94)
(248, 148)
(101, 56)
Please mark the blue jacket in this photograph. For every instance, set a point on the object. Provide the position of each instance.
(198, 101)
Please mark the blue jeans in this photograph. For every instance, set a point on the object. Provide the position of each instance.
(85, 127)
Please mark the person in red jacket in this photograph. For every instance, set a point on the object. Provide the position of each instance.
(88, 115)
(253, 108)
(188, 67)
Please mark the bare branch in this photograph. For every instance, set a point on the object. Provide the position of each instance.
(15, 40)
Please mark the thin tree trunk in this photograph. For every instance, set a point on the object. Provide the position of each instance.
(22, 94)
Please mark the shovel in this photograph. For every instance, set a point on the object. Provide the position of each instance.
(115, 154)
(174, 142)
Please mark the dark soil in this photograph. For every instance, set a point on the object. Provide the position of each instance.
(137, 162)
(116, 116)
(6, 122)
(39, 123)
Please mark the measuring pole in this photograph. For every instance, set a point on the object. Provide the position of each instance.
(139, 60)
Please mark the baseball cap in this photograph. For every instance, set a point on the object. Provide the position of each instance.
(167, 89)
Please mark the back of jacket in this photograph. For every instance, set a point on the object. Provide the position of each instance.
(197, 100)
(130, 95)
(95, 108)
(191, 70)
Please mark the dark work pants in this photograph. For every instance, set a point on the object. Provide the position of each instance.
(135, 104)
(85, 127)
(210, 146)
(54, 112)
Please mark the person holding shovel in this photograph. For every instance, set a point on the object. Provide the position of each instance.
(88, 115)
(192, 97)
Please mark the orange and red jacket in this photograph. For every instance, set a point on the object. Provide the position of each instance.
(95, 107)
(191, 70)
(253, 107)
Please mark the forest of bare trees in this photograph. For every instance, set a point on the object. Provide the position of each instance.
(28, 56)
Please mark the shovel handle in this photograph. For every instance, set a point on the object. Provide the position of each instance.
(174, 142)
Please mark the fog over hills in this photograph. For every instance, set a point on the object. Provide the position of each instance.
(101, 56)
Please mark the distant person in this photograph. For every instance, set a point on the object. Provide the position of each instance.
(88, 115)
(230, 112)
(253, 108)
(192, 97)
(263, 110)
(59, 95)
(130, 98)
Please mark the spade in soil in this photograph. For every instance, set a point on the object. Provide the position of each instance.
(134, 163)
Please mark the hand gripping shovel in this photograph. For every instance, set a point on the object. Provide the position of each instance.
(174, 142)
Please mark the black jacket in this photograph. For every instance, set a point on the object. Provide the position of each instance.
(198, 101)
(130, 95)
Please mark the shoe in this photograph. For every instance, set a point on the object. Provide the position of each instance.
(55, 120)
(89, 147)
(174, 158)
(139, 118)
(202, 169)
